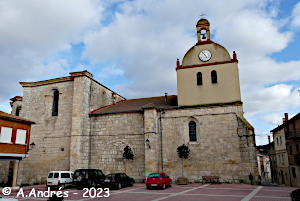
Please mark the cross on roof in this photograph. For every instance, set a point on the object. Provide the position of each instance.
(202, 14)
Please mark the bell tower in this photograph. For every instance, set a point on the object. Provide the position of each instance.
(203, 32)
(208, 75)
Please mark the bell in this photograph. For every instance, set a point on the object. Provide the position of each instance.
(203, 37)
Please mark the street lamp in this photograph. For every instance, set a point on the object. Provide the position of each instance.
(32, 145)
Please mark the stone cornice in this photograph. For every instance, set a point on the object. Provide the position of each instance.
(45, 82)
(207, 64)
(81, 73)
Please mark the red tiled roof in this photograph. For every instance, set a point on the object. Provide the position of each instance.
(137, 105)
(4, 115)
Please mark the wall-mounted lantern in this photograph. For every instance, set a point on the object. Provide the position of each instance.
(148, 143)
(32, 145)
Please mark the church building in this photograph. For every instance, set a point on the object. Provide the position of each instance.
(83, 124)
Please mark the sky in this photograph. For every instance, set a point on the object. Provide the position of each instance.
(131, 46)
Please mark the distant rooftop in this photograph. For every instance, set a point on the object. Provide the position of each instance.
(4, 115)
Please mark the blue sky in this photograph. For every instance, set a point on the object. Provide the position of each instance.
(132, 46)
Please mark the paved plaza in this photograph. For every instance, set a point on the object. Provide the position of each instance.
(190, 192)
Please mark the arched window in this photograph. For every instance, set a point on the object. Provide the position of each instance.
(199, 78)
(192, 131)
(214, 78)
(55, 103)
(203, 35)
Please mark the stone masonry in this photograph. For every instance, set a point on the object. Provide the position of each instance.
(62, 142)
(75, 139)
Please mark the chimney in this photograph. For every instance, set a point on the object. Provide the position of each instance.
(177, 63)
(269, 139)
(286, 117)
(166, 97)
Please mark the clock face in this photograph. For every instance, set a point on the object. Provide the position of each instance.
(205, 55)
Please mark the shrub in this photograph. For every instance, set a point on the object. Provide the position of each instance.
(295, 195)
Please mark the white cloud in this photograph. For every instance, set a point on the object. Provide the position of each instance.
(296, 15)
(110, 71)
(275, 98)
(43, 27)
(262, 138)
(34, 32)
(274, 118)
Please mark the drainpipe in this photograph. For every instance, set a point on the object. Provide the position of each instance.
(161, 142)
(90, 143)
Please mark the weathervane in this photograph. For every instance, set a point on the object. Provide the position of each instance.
(202, 14)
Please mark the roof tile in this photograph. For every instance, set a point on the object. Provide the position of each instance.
(4, 115)
(137, 105)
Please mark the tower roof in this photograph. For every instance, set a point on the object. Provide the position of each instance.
(203, 21)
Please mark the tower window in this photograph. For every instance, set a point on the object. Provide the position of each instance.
(199, 78)
(203, 35)
(55, 103)
(214, 78)
(192, 131)
(18, 110)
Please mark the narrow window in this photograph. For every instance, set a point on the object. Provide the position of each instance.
(199, 78)
(291, 150)
(294, 172)
(55, 103)
(192, 131)
(18, 110)
(297, 149)
(214, 78)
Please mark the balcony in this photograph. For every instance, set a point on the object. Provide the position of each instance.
(297, 159)
(292, 134)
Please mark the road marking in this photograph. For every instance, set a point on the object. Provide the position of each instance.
(251, 195)
(122, 191)
(172, 195)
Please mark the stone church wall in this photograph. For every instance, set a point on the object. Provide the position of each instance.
(50, 133)
(110, 135)
(224, 146)
(219, 151)
(4, 171)
(55, 136)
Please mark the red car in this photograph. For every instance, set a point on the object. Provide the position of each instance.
(159, 179)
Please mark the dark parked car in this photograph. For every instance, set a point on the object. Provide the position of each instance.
(117, 180)
(87, 178)
(159, 179)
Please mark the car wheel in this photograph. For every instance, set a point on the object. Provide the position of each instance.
(80, 178)
(79, 187)
(170, 184)
(131, 183)
(164, 187)
(118, 186)
(62, 186)
(148, 187)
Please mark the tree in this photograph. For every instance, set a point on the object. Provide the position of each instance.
(128, 153)
(183, 151)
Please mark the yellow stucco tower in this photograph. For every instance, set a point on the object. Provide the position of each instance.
(208, 75)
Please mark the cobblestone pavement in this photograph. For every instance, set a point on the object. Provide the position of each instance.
(190, 192)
